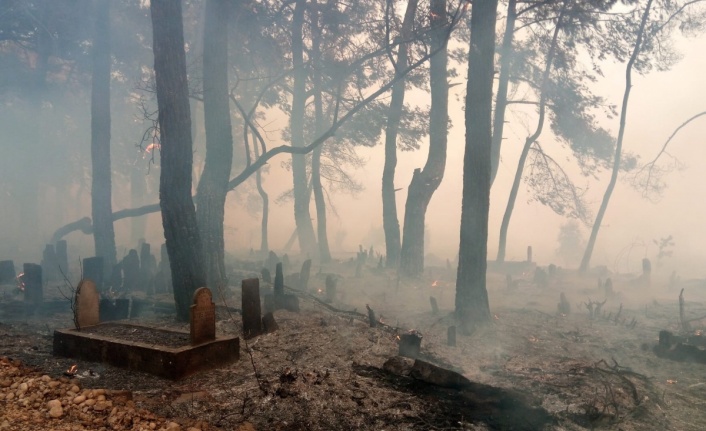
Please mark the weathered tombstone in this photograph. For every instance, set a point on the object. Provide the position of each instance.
(62, 257)
(131, 271)
(272, 260)
(7, 272)
(304, 274)
(266, 276)
(268, 323)
(434, 305)
(285, 262)
(50, 266)
(93, 270)
(279, 280)
(32, 279)
(552, 270)
(608, 287)
(563, 307)
(110, 310)
(646, 271)
(252, 323)
(529, 253)
(202, 317)
(541, 278)
(410, 344)
(451, 336)
(86, 307)
(116, 277)
(331, 282)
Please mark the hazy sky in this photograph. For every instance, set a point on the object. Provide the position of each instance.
(659, 103)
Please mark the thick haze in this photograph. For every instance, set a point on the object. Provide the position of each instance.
(659, 103)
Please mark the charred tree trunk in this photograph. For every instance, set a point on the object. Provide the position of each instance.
(302, 216)
(264, 241)
(319, 199)
(586, 260)
(471, 293)
(390, 222)
(424, 183)
(178, 213)
(503, 81)
(101, 195)
(213, 185)
(502, 246)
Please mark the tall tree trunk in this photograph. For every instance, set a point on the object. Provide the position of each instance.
(471, 294)
(586, 260)
(178, 213)
(264, 241)
(320, 127)
(101, 195)
(390, 222)
(213, 185)
(502, 246)
(503, 81)
(302, 216)
(138, 191)
(424, 183)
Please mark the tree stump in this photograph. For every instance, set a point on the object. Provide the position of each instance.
(269, 324)
(410, 344)
(33, 288)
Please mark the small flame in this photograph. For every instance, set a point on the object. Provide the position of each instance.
(320, 290)
(72, 370)
(20, 281)
(151, 147)
(671, 382)
(698, 332)
(435, 283)
(495, 316)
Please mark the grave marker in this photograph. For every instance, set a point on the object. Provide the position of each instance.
(202, 317)
(86, 305)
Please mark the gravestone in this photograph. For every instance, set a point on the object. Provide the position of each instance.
(279, 281)
(32, 279)
(266, 276)
(131, 271)
(331, 282)
(50, 266)
(252, 323)
(93, 270)
(62, 257)
(202, 317)
(304, 275)
(7, 272)
(87, 304)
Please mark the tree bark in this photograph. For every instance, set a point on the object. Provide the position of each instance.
(505, 225)
(424, 183)
(471, 294)
(101, 194)
(390, 222)
(503, 81)
(178, 213)
(213, 185)
(586, 260)
(302, 216)
(320, 127)
(264, 240)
